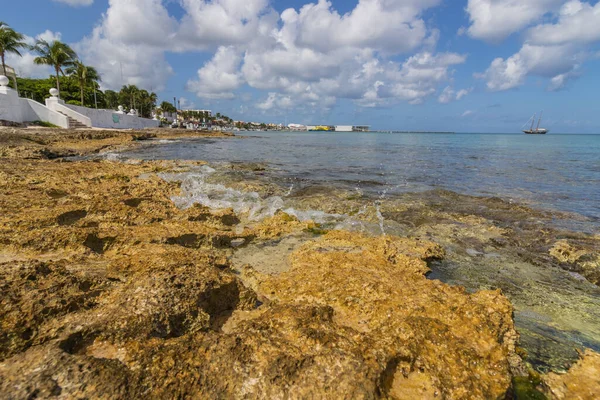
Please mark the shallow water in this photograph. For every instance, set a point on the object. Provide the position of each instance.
(396, 184)
(559, 172)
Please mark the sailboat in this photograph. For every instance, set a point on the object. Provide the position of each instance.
(537, 130)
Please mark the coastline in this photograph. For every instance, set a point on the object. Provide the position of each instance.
(105, 273)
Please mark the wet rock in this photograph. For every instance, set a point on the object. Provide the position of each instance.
(581, 382)
(582, 259)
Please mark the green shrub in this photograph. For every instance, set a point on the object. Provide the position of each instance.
(44, 124)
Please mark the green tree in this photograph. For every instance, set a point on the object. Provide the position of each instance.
(84, 75)
(10, 42)
(128, 95)
(167, 107)
(56, 54)
(146, 103)
(111, 99)
(38, 88)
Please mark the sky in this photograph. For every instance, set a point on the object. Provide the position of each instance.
(451, 65)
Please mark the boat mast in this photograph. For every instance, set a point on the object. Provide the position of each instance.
(539, 121)
(532, 122)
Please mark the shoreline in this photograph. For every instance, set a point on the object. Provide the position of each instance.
(104, 272)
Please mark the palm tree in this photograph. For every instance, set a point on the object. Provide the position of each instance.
(83, 74)
(129, 93)
(57, 54)
(10, 42)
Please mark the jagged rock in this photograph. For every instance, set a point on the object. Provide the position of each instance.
(582, 382)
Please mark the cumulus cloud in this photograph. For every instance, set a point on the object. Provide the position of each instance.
(76, 3)
(545, 61)
(216, 23)
(128, 45)
(124, 64)
(577, 23)
(390, 25)
(282, 54)
(219, 77)
(494, 20)
(138, 22)
(551, 50)
(49, 36)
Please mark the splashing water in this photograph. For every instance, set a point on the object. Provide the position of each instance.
(196, 190)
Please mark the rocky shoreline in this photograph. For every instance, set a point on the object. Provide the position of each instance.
(107, 289)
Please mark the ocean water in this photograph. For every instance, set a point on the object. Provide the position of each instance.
(554, 172)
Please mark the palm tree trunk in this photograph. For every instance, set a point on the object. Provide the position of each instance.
(3, 64)
(81, 87)
(57, 82)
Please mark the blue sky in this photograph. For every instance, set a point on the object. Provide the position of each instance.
(469, 65)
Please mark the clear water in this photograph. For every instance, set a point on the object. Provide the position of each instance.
(557, 172)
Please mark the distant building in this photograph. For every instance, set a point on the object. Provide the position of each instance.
(297, 127)
(338, 128)
(207, 112)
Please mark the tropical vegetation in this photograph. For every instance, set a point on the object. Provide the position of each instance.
(84, 74)
(10, 42)
(165, 106)
(57, 55)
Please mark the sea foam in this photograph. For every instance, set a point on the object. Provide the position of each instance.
(195, 189)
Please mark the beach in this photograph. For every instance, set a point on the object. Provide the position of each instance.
(130, 274)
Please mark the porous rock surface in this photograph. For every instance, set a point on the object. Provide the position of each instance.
(107, 290)
(581, 382)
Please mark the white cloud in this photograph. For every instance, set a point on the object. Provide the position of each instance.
(128, 45)
(186, 104)
(545, 61)
(287, 56)
(578, 23)
(49, 36)
(462, 93)
(138, 22)
(449, 94)
(467, 113)
(494, 20)
(25, 67)
(275, 100)
(393, 26)
(216, 23)
(124, 64)
(220, 76)
(284, 55)
(76, 3)
(552, 50)
(558, 82)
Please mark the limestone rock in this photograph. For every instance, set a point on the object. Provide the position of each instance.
(582, 382)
